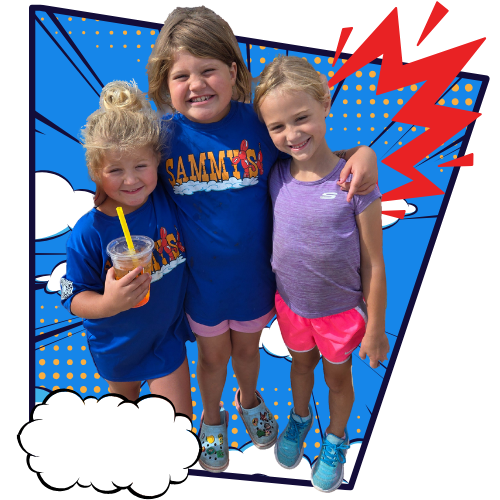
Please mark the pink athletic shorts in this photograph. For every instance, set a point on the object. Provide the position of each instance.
(336, 336)
(254, 325)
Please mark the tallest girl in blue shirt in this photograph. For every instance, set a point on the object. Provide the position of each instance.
(216, 172)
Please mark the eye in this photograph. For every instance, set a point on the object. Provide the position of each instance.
(179, 77)
(301, 117)
(209, 69)
(275, 128)
(113, 171)
(141, 166)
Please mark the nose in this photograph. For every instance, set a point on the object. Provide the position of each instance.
(197, 83)
(130, 178)
(293, 134)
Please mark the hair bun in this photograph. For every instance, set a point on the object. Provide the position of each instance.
(124, 96)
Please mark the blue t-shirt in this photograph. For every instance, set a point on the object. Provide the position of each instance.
(145, 342)
(217, 175)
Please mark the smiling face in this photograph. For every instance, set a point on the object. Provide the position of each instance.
(128, 179)
(201, 89)
(296, 124)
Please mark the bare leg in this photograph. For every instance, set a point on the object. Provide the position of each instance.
(338, 378)
(246, 364)
(176, 387)
(213, 356)
(302, 379)
(129, 390)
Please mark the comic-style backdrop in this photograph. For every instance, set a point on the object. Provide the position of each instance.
(73, 56)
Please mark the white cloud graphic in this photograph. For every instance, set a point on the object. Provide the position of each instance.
(53, 280)
(350, 460)
(255, 461)
(57, 206)
(167, 268)
(110, 443)
(387, 220)
(272, 341)
(191, 187)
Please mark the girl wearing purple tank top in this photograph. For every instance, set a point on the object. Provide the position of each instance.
(323, 276)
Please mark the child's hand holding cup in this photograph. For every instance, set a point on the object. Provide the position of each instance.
(125, 261)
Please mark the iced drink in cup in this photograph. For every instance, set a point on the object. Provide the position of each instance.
(125, 261)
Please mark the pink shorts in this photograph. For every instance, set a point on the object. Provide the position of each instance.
(336, 336)
(254, 325)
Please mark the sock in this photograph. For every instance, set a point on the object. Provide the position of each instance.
(300, 419)
(331, 433)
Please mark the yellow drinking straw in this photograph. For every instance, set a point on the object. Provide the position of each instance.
(126, 232)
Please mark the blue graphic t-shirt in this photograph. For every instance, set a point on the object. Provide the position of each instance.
(145, 342)
(217, 176)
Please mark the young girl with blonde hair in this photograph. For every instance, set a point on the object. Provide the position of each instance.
(124, 141)
(216, 172)
(322, 276)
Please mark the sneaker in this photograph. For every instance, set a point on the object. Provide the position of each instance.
(290, 445)
(259, 421)
(214, 449)
(328, 470)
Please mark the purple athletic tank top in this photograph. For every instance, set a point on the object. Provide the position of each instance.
(316, 253)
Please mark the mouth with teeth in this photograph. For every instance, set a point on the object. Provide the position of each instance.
(132, 191)
(202, 98)
(302, 145)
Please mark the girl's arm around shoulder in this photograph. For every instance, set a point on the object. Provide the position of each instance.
(119, 295)
(361, 162)
(375, 344)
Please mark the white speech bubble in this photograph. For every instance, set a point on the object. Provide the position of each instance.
(393, 205)
(254, 461)
(53, 280)
(58, 207)
(272, 341)
(110, 443)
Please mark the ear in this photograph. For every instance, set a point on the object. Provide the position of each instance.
(233, 72)
(327, 105)
(97, 179)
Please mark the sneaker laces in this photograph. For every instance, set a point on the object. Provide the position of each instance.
(331, 453)
(293, 429)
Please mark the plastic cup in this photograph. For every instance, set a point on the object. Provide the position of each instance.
(125, 261)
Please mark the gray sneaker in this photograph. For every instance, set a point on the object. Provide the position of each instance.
(214, 449)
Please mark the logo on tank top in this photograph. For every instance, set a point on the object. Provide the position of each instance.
(328, 196)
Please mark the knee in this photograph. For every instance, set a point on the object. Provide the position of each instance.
(339, 385)
(304, 367)
(213, 361)
(245, 353)
(129, 390)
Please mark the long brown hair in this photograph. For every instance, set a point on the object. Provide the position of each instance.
(203, 34)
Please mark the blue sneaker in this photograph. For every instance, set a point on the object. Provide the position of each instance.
(290, 446)
(328, 470)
